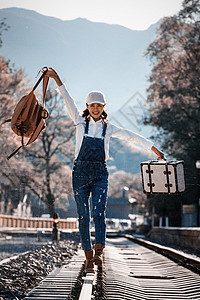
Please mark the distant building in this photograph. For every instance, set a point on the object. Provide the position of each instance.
(118, 208)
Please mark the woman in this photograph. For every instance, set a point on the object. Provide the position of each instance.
(90, 175)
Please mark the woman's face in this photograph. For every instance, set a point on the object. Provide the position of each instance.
(95, 110)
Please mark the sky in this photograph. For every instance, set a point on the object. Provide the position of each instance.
(133, 14)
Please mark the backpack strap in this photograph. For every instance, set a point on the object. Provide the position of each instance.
(16, 150)
(44, 71)
(41, 124)
(6, 121)
(45, 82)
(36, 132)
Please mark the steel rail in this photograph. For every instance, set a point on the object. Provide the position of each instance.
(186, 260)
(87, 287)
(136, 272)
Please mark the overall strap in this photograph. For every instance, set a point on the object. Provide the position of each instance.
(104, 129)
(87, 128)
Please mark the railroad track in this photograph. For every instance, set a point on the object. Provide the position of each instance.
(130, 271)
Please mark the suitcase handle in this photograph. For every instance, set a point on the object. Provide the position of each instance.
(157, 161)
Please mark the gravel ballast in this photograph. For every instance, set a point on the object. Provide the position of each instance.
(18, 276)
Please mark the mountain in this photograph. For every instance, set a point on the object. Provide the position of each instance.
(87, 55)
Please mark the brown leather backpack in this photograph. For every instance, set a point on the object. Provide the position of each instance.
(28, 117)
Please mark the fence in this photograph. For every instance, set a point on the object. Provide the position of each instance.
(180, 236)
(18, 222)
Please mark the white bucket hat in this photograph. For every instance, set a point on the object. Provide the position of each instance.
(95, 97)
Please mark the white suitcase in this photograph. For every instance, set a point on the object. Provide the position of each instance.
(163, 177)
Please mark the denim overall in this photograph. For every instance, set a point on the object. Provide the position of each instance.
(90, 176)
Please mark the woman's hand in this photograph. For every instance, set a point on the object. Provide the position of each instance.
(158, 152)
(52, 73)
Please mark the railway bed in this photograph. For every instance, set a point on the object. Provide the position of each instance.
(61, 282)
(130, 271)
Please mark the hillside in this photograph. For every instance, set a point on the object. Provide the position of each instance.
(87, 55)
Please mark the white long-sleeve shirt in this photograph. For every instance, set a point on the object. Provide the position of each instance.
(95, 128)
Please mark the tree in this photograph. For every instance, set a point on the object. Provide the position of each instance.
(12, 86)
(3, 27)
(174, 90)
(50, 158)
(43, 169)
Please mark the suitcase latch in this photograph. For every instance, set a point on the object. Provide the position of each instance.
(151, 171)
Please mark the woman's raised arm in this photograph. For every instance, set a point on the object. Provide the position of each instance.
(69, 101)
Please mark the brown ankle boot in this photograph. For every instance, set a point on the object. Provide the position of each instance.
(89, 265)
(98, 254)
